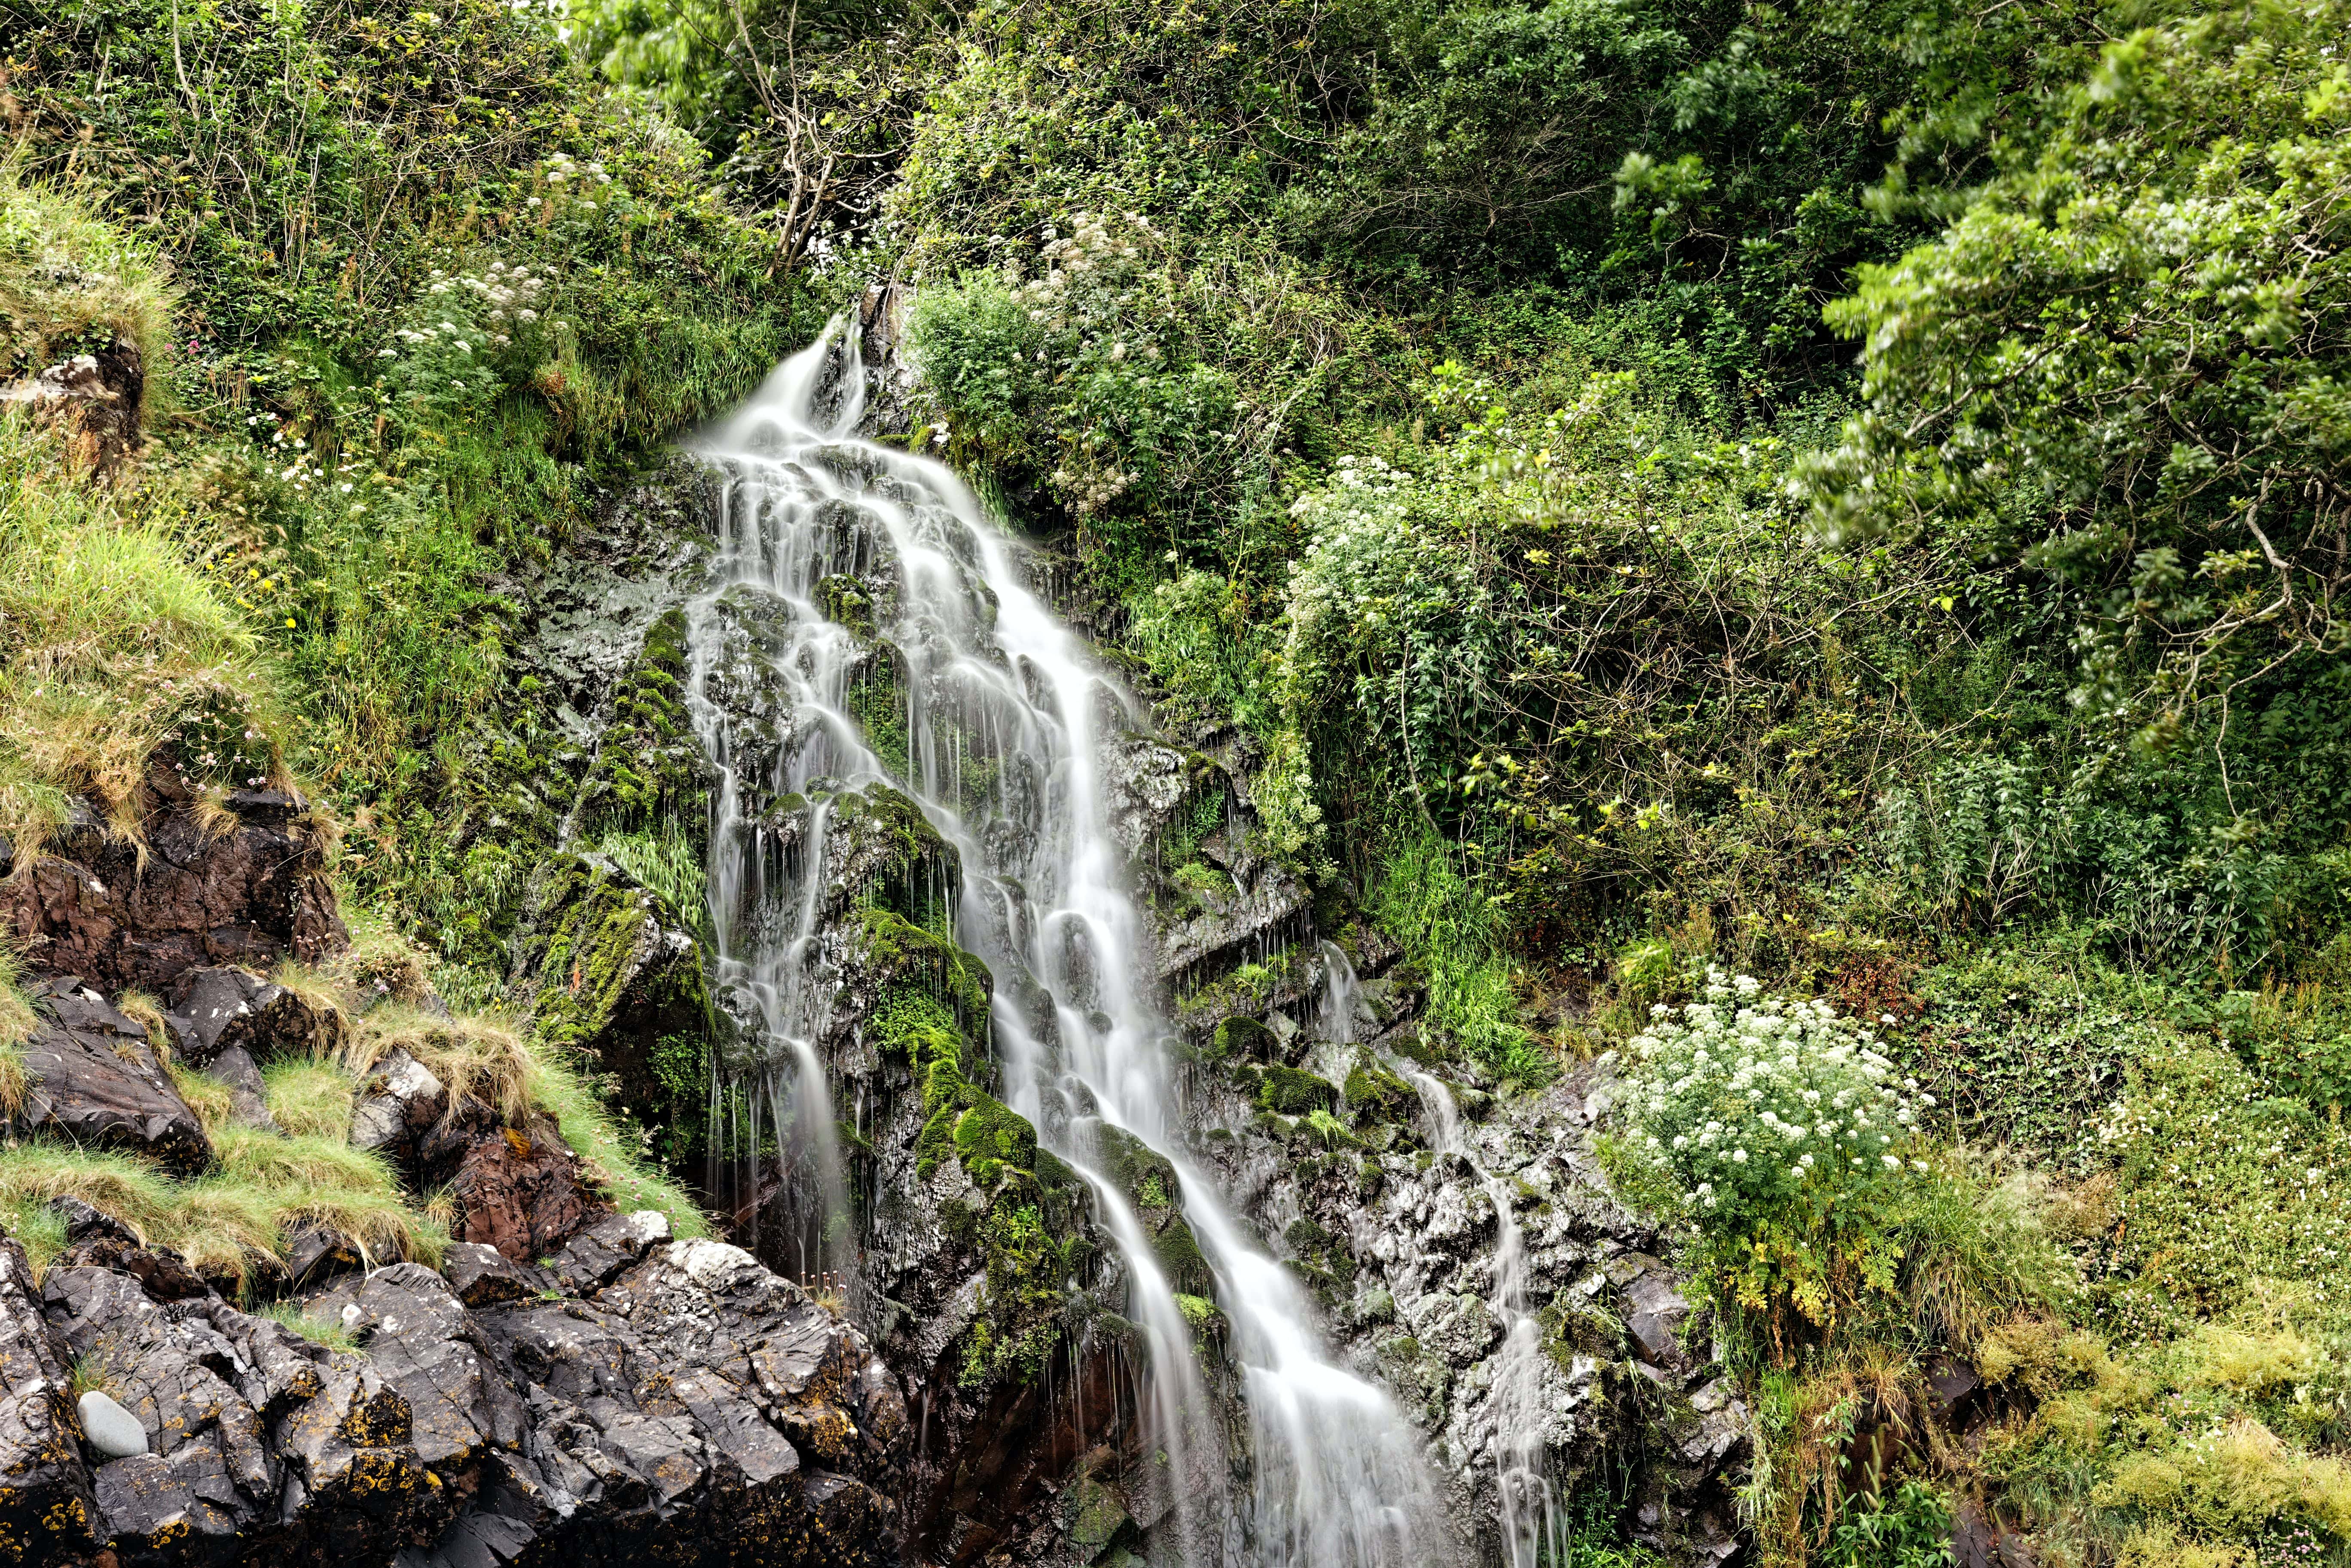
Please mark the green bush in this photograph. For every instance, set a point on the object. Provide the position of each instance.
(1781, 1138)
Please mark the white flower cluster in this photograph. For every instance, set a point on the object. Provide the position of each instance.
(1748, 1100)
(567, 176)
(491, 303)
(1090, 287)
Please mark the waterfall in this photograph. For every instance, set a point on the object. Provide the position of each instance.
(1532, 1528)
(1002, 711)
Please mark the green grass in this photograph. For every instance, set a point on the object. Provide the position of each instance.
(116, 644)
(220, 1221)
(1453, 935)
(325, 1332)
(208, 1097)
(309, 1098)
(18, 1021)
(618, 1163)
(71, 282)
(479, 1057)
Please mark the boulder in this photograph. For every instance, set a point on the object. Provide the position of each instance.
(399, 1102)
(93, 1078)
(248, 1095)
(591, 1259)
(1654, 1314)
(98, 1242)
(698, 1408)
(315, 1252)
(125, 913)
(108, 1427)
(483, 1277)
(422, 1341)
(519, 1189)
(250, 1428)
(216, 1008)
(91, 402)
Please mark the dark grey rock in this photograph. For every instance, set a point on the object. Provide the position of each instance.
(248, 1095)
(591, 1259)
(396, 1105)
(421, 1340)
(481, 1276)
(217, 1006)
(1654, 1311)
(95, 1080)
(46, 1506)
(314, 1253)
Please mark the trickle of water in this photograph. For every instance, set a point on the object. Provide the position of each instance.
(1534, 1529)
(1002, 712)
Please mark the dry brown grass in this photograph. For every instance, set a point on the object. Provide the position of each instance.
(477, 1057)
(207, 1096)
(18, 1021)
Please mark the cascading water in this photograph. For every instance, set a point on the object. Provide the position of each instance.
(1533, 1528)
(1001, 713)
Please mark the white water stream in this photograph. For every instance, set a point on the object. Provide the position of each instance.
(1533, 1528)
(1002, 711)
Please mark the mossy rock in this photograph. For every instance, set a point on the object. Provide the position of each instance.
(1178, 1254)
(1146, 1177)
(884, 854)
(908, 956)
(1375, 1094)
(648, 766)
(1325, 1261)
(1243, 1038)
(846, 602)
(619, 981)
(1291, 1091)
(991, 1137)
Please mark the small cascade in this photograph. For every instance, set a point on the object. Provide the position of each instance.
(959, 689)
(1533, 1528)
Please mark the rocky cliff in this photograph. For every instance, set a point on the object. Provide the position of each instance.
(632, 1400)
(953, 1381)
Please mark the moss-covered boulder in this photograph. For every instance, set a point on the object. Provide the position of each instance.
(1149, 1183)
(617, 975)
(880, 853)
(1375, 1095)
(1291, 1091)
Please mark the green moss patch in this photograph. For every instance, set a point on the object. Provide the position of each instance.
(1290, 1092)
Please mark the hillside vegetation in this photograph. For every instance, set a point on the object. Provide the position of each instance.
(1837, 502)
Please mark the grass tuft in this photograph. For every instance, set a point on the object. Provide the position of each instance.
(310, 1099)
(213, 1101)
(325, 1181)
(617, 1162)
(18, 1021)
(325, 1331)
(477, 1057)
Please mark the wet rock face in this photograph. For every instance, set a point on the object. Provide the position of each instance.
(690, 1407)
(1402, 1243)
(95, 1080)
(251, 895)
(619, 978)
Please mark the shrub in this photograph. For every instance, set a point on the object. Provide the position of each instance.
(1775, 1131)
